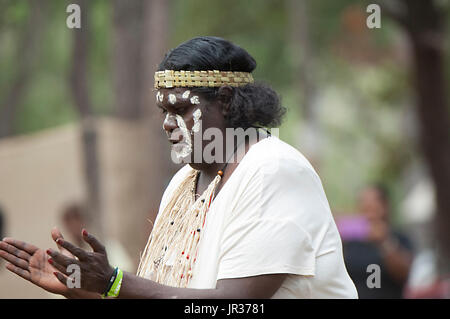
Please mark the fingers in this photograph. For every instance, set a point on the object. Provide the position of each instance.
(14, 251)
(93, 242)
(58, 258)
(25, 274)
(30, 249)
(76, 251)
(56, 234)
(16, 257)
(59, 267)
(16, 261)
(62, 278)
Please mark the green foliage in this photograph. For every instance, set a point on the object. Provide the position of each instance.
(14, 13)
(361, 94)
(258, 27)
(48, 101)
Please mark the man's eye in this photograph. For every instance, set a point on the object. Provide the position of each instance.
(182, 111)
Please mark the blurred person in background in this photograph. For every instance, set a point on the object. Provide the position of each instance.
(73, 221)
(73, 218)
(370, 239)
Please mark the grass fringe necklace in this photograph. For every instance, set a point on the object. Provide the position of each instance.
(171, 250)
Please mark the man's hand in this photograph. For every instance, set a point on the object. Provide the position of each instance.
(378, 231)
(30, 263)
(95, 270)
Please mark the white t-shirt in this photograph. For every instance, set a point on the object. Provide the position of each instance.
(271, 216)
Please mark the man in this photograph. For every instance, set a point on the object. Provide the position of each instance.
(247, 216)
(380, 245)
(74, 219)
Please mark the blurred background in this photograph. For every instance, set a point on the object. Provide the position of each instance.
(81, 143)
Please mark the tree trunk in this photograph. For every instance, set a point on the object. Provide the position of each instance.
(435, 125)
(156, 17)
(128, 18)
(79, 86)
(140, 33)
(309, 137)
(424, 24)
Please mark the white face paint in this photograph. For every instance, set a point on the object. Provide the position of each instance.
(159, 97)
(196, 115)
(186, 94)
(165, 120)
(195, 100)
(183, 148)
(172, 99)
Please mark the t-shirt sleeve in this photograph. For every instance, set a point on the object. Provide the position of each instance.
(265, 233)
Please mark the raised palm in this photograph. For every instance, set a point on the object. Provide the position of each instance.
(31, 263)
(41, 273)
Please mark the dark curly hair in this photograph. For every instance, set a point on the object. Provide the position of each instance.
(252, 105)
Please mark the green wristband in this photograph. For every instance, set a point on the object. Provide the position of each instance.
(115, 288)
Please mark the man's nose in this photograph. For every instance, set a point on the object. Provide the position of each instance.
(170, 123)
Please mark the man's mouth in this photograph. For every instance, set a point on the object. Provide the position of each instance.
(173, 141)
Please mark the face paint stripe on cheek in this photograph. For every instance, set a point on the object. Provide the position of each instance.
(186, 148)
(196, 116)
(166, 119)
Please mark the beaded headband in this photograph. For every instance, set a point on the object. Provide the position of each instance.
(171, 78)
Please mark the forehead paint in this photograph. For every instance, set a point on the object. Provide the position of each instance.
(195, 100)
(172, 99)
(159, 97)
(186, 94)
(196, 115)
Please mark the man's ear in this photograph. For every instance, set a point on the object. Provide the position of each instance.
(224, 95)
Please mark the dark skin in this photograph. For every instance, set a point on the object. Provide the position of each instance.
(31, 263)
(48, 269)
